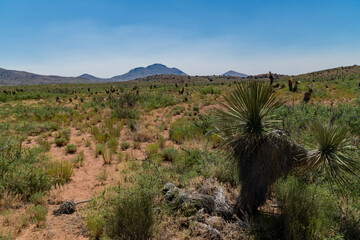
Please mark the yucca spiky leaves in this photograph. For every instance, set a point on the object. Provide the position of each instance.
(247, 112)
(333, 152)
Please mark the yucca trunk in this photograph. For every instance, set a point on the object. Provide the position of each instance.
(269, 159)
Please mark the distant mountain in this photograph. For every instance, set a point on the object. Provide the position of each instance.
(13, 77)
(234, 74)
(90, 77)
(139, 72)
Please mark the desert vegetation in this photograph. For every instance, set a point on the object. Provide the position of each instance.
(179, 157)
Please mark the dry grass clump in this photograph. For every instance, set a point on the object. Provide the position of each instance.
(10, 200)
(143, 135)
(60, 171)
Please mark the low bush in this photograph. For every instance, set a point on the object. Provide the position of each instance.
(78, 160)
(161, 141)
(182, 130)
(209, 90)
(95, 224)
(70, 149)
(60, 171)
(88, 143)
(132, 124)
(38, 214)
(124, 145)
(37, 198)
(60, 142)
(126, 214)
(99, 149)
(152, 149)
(308, 211)
(46, 145)
(169, 154)
(22, 171)
(107, 156)
(113, 144)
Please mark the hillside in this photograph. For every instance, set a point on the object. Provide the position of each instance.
(13, 77)
(171, 79)
(155, 69)
(234, 74)
(339, 73)
(139, 72)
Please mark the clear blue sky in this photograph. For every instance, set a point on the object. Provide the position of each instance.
(108, 37)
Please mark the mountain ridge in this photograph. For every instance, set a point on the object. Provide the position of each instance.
(234, 74)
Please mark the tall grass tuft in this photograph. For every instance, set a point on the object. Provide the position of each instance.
(60, 171)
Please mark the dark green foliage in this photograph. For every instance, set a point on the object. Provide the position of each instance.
(22, 171)
(209, 90)
(125, 214)
(308, 211)
(124, 113)
(156, 100)
(70, 148)
(169, 154)
(124, 145)
(192, 163)
(60, 142)
(182, 130)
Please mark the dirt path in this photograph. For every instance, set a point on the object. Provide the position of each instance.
(83, 186)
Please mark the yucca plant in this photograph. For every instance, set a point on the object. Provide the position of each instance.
(333, 154)
(262, 154)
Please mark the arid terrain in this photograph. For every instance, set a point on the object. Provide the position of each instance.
(118, 144)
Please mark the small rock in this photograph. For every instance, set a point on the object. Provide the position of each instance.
(168, 186)
(208, 232)
(200, 215)
(215, 222)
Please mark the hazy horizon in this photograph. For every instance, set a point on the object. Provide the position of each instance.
(107, 38)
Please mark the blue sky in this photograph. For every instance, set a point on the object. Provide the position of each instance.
(108, 37)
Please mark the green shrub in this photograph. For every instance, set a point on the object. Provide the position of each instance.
(46, 145)
(169, 154)
(37, 198)
(107, 156)
(132, 124)
(152, 149)
(113, 144)
(60, 142)
(70, 149)
(88, 143)
(308, 211)
(5, 237)
(182, 130)
(95, 224)
(196, 108)
(99, 149)
(209, 90)
(22, 170)
(124, 145)
(65, 134)
(161, 141)
(177, 110)
(125, 113)
(38, 214)
(130, 215)
(79, 159)
(61, 171)
(215, 140)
